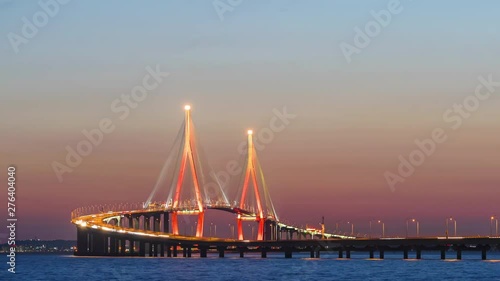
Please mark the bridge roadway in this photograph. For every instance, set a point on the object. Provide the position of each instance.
(98, 236)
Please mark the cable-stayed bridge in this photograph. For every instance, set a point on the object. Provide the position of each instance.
(187, 186)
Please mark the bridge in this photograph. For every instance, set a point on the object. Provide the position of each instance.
(188, 187)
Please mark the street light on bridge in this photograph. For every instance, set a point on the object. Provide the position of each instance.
(383, 228)
(352, 228)
(253, 230)
(417, 223)
(337, 227)
(231, 230)
(455, 224)
(193, 228)
(493, 219)
(215, 229)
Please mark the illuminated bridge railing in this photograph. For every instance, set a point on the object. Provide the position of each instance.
(140, 206)
(106, 208)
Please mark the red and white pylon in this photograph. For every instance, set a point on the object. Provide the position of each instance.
(251, 175)
(188, 159)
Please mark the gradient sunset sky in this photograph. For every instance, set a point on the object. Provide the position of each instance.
(353, 120)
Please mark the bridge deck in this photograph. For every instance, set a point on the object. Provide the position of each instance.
(95, 233)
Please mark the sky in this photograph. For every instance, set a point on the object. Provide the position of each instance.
(355, 113)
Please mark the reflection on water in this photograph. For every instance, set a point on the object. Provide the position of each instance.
(252, 267)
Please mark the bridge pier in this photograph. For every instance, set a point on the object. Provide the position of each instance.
(130, 221)
(459, 253)
(105, 244)
(142, 249)
(156, 223)
(131, 245)
(122, 246)
(135, 222)
(169, 251)
(405, 253)
(147, 224)
(166, 222)
(381, 254)
(372, 254)
(242, 252)
(203, 252)
(82, 241)
(155, 253)
(112, 245)
(97, 243)
(341, 254)
(419, 253)
(348, 254)
(150, 248)
(174, 251)
(317, 252)
(288, 252)
(483, 253)
(162, 250)
(263, 253)
(184, 251)
(443, 254)
(221, 251)
(116, 246)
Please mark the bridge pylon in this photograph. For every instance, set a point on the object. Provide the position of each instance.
(188, 159)
(189, 181)
(260, 208)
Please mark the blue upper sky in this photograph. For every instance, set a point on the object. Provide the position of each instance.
(273, 50)
(86, 34)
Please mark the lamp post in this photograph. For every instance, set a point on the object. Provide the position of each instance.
(231, 229)
(337, 228)
(352, 228)
(253, 230)
(417, 223)
(455, 225)
(493, 219)
(383, 228)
